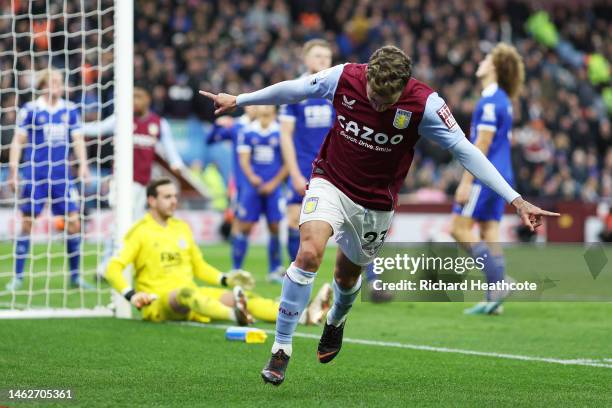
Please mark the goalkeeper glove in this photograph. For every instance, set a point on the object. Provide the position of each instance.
(238, 278)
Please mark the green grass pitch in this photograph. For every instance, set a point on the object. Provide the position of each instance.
(119, 363)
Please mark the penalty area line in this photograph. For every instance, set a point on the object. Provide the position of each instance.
(568, 362)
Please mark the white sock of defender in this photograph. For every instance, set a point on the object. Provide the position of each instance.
(343, 301)
(297, 286)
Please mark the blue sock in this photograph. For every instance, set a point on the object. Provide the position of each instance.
(274, 253)
(343, 301)
(22, 249)
(239, 249)
(293, 243)
(73, 245)
(494, 265)
(370, 275)
(297, 286)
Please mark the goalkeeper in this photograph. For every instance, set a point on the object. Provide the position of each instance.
(166, 260)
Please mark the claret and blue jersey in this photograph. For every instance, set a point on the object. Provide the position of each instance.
(45, 168)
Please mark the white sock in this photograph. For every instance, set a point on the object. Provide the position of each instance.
(287, 348)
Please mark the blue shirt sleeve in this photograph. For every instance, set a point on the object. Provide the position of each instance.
(24, 118)
(438, 123)
(288, 112)
(244, 142)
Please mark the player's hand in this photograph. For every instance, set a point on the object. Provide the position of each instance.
(299, 183)
(530, 214)
(240, 278)
(463, 193)
(224, 103)
(13, 180)
(255, 180)
(84, 174)
(141, 299)
(267, 188)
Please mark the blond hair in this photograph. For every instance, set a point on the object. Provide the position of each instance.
(43, 77)
(509, 69)
(317, 42)
(389, 70)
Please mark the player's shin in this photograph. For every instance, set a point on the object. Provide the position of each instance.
(297, 286)
(274, 253)
(73, 249)
(494, 265)
(22, 249)
(203, 305)
(343, 301)
(293, 243)
(239, 249)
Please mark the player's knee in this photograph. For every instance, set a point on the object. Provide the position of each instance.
(309, 257)
(273, 228)
(345, 281)
(185, 294)
(74, 225)
(26, 225)
(457, 230)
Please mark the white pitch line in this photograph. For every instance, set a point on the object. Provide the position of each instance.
(572, 362)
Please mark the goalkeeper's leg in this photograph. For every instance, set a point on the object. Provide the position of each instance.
(225, 306)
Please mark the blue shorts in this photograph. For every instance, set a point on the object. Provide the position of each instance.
(293, 197)
(63, 194)
(251, 205)
(483, 204)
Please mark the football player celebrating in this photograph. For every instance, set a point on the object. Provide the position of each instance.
(380, 114)
(501, 74)
(47, 129)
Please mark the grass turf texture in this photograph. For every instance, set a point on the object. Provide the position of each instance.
(111, 362)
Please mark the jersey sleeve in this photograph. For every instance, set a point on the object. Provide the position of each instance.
(202, 269)
(438, 123)
(24, 119)
(126, 255)
(288, 112)
(487, 117)
(103, 127)
(244, 144)
(75, 125)
(168, 146)
(320, 85)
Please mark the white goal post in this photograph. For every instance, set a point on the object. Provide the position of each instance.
(90, 42)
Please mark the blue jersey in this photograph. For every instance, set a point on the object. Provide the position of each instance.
(49, 135)
(264, 145)
(220, 133)
(494, 112)
(313, 118)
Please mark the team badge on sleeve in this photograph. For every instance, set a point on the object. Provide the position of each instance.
(402, 119)
(310, 205)
(447, 117)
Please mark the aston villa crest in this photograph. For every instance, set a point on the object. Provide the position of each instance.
(402, 119)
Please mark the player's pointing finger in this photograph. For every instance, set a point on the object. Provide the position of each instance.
(208, 94)
(548, 213)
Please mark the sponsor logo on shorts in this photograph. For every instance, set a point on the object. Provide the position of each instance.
(310, 205)
(402, 119)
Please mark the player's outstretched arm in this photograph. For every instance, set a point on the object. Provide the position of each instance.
(320, 85)
(530, 214)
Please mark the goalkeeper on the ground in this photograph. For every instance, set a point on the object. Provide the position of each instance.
(166, 260)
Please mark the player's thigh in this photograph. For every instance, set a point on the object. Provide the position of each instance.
(139, 203)
(33, 197)
(273, 206)
(293, 215)
(461, 224)
(164, 308)
(64, 197)
(250, 205)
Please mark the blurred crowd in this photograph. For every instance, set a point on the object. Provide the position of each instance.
(561, 139)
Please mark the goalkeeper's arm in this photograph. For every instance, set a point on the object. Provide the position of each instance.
(118, 263)
(211, 275)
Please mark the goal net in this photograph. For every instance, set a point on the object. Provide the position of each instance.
(49, 268)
